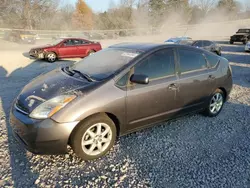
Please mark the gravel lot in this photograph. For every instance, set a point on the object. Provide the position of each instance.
(193, 151)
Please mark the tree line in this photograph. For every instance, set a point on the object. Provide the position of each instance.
(126, 14)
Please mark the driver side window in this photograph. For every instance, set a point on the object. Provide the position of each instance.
(158, 65)
(68, 43)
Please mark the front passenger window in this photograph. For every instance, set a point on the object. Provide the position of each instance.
(191, 60)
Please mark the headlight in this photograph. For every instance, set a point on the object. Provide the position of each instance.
(50, 107)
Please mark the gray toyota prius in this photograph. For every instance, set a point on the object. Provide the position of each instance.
(118, 90)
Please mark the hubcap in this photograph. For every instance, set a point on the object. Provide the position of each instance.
(91, 53)
(96, 139)
(216, 103)
(51, 57)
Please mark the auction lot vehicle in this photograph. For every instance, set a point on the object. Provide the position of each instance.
(65, 48)
(20, 36)
(247, 47)
(208, 45)
(242, 35)
(116, 91)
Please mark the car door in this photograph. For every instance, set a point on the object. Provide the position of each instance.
(67, 49)
(83, 48)
(155, 101)
(194, 87)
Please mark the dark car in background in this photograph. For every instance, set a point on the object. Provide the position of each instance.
(208, 45)
(242, 35)
(65, 48)
(20, 36)
(116, 91)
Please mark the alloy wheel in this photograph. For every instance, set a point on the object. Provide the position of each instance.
(51, 57)
(216, 103)
(96, 139)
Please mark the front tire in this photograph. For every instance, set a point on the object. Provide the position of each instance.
(216, 103)
(94, 137)
(51, 57)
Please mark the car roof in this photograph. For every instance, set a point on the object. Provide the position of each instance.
(146, 46)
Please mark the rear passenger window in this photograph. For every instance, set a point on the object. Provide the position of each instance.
(157, 65)
(191, 60)
(207, 43)
(212, 59)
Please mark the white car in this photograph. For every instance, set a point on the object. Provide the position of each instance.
(247, 47)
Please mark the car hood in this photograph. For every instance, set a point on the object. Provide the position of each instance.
(48, 86)
(42, 47)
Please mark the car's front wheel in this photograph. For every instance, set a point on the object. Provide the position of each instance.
(51, 57)
(94, 137)
(215, 104)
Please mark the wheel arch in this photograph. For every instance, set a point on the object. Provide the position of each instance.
(224, 91)
(110, 115)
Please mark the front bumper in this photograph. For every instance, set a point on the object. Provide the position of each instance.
(238, 39)
(37, 54)
(41, 136)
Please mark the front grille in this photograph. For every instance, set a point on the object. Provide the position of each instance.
(21, 108)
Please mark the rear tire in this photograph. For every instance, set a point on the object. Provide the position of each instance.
(91, 52)
(218, 53)
(215, 104)
(51, 57)
(94, 137)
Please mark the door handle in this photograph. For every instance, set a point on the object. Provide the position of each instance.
(173, 87)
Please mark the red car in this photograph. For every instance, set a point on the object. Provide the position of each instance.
(65, 48)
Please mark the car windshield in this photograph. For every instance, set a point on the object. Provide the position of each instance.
(55, 42)
(173, 39)
(106, 62)
(243, 31)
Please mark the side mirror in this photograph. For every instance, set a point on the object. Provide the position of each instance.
(139, 79)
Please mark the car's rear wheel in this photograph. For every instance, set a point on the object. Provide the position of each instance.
(215, 104)
(51, 57)
(94, 137)
(218, 53)
(91, 52)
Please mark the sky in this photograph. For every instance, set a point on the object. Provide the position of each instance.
(102, 5)
(97, 5)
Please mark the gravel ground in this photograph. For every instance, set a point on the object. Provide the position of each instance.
(193, 151)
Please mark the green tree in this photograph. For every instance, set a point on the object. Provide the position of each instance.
(157, 10)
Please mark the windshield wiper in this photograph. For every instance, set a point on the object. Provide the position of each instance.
(73, 72)
(84, 75)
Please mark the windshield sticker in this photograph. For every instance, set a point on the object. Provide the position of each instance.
(126, 54)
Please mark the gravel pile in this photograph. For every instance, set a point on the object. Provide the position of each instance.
(193, 151)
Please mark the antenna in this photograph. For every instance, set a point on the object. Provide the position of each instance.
(185, 32)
